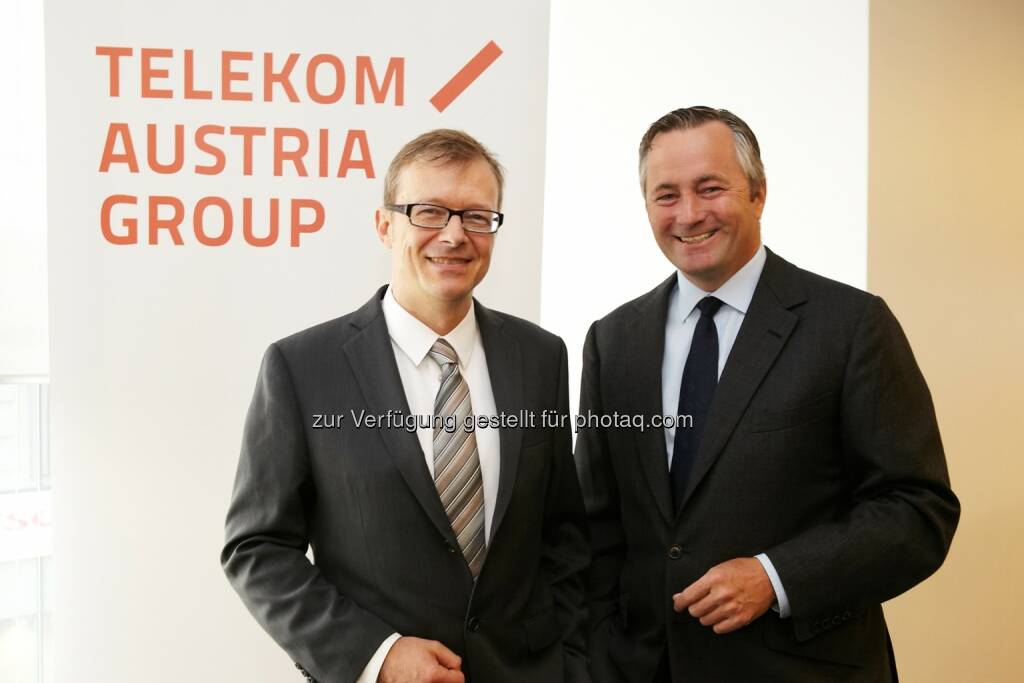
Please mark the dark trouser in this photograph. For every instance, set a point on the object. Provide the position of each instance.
(663, 674)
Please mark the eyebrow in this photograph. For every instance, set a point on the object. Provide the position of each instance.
(707, 177)
(436, 202)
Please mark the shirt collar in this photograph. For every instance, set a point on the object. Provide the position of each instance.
(415, 339)
(735, 293)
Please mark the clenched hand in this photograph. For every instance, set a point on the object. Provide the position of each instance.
(729, 596)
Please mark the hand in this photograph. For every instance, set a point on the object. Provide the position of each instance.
(729, 596)
(414, 660)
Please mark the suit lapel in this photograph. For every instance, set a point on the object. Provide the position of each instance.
(764, 332)
(646, 350)
(505, 367)
(372, 360)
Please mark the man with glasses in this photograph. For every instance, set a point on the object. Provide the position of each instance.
(444, 549)
(755, 538)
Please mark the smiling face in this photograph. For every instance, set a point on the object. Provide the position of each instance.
(704, 216)
(433, 272)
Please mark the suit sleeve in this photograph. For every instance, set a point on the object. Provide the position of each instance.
(267, 535)
(566, 553)
(601, 497)
(901, 513)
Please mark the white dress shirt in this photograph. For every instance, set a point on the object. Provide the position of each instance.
(683, 314)
(421, 379)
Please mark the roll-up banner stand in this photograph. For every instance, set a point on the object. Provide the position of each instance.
(214, 168)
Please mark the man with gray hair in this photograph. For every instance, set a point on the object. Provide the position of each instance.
(800, 480)
(446, 549)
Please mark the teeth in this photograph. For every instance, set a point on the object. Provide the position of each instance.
(698, 238)
(447, 261)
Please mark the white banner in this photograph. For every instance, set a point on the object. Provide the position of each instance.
(213, 172)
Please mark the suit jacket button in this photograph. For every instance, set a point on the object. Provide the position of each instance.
(473, 624)
(675, 551)
(450, 547)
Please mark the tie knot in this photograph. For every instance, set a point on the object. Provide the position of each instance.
(708, 306)
(443, 353)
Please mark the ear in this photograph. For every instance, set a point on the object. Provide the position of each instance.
(759, 198)
(383, 219)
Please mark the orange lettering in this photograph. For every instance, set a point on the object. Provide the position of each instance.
(227, 76)
(247, 133)
(148, 73)
(247, 223)
(364, 162)
(179, 150)
(295, 156)
(323, 137)
(298, 227)
(170, 224)
(115, 54)
(283, 77)
(339, 79)
(131, 224)
(115, 131)
(199, 225)
(219, 160)
(190, 80)
(365, 73)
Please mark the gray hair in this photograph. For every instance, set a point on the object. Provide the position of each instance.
(748, 151)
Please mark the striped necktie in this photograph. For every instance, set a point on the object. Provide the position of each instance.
(456, 460)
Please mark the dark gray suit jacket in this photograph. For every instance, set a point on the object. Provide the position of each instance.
(821, 450)
(386, 559)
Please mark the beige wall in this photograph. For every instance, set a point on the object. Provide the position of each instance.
(946, 250)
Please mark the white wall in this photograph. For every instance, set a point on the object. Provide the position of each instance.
(795, 71)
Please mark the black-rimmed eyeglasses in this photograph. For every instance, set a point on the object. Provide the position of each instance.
(437, 217)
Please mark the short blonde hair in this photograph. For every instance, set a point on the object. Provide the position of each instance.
(445, 146)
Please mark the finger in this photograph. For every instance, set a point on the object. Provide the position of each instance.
(716, 616)
(680, 603)
(704, 607)
(446, 657)
(728, 625)
(692, 593)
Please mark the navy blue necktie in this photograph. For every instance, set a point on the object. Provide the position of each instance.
(700, 377)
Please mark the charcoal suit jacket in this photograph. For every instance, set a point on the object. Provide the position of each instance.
(385, 557)
(821, 450)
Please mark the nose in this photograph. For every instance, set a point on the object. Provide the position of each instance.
(453, 233)
(688, 210)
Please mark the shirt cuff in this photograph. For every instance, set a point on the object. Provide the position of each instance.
(781, 601)
(372, 670)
